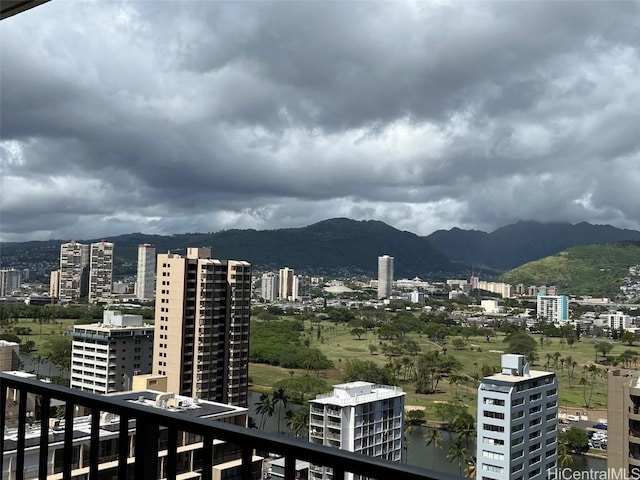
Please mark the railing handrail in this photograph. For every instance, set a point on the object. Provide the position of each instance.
(326, 456)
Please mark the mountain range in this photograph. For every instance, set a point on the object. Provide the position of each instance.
(341, 246)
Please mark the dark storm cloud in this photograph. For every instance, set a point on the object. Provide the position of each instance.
(184, 116)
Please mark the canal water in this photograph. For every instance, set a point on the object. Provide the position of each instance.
(417, 452)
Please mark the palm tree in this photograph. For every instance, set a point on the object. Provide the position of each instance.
(298, 423)
(565, 458)
(465, 427)
(265, 408)
(458, 453)
(279, 399)
(433, 437)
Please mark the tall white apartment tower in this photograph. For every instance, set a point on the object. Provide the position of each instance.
(100, 271)
(553, 308)
(269, 287)
(517, 423)
(203, 311)
(105, 356)
(359, 417)
(285, 283)
(385, 276)
(146, 277)
(74, 271)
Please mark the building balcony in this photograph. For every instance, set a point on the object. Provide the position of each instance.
(161, 430)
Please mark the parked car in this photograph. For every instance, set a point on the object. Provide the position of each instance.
(600, 426)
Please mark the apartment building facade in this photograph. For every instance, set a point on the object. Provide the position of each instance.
(553, 308)
(285, 283)
(146, 273)
(517, 435)
(269, 287)
(202, 325)
(74, 271)
(623, 417)
(100, 271)
(105, 356)
(359, 417)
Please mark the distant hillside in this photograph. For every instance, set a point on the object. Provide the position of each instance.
(522, 242)
(582, 270)
(333, 246)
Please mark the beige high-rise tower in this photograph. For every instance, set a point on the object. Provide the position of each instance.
(623, 417)
(202, 319)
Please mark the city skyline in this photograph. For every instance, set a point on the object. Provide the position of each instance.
(423, 115)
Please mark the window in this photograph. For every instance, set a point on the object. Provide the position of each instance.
(494, 401)
(492, 441)
(534, 460)
(517, 428)
(493, 428)
(494, 415)
(553, 391)
(493, 455)
(517, 401)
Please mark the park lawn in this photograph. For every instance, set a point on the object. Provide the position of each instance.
(339, 345)
(41, 333)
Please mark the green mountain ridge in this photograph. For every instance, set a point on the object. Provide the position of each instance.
(595, 270)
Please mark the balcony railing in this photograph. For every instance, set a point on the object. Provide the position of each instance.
(149, 421)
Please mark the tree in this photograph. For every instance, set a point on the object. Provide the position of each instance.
(629, 338)
(280, 400)
(59, 349)
(366, 371)
(575, 439)
(430, 368)
(358, 332)
(298, 423)
(302, 387)
(458, 343)
(565, 458)
(602, 347)
(458, 453)
(521, 343)
(372, 348)
(415, 417)
(433, 437)
(264, 408)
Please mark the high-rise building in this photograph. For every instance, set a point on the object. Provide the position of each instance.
(146, 277)
(385, 276)
(285, 283)
(74, 271)
(623, 423)
(105, 356)
(10, 280)
(301, 288)
(359, 417)
(269, 287)
(54, 284)
(100, 271)
(202, 325)
(517, 423)
(553, 308)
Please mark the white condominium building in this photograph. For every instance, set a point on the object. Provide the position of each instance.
(553, 308)
(269, 287)
(517, 423)
(105, 356)
(385, 276)
(358, 417)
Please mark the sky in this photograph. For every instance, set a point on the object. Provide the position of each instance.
(196, 116)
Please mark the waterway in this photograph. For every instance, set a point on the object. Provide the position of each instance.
(418, 453)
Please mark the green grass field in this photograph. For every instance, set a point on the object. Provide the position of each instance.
(41, 333)
(340, 346)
